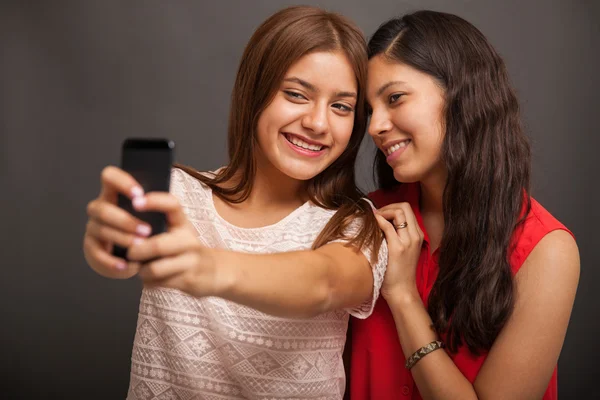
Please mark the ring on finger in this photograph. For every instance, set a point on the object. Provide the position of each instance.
(401, 225)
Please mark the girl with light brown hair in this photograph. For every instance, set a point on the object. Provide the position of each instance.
(248, 293)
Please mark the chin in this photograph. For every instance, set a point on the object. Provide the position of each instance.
(301, 175)
(301, 172)
(406, 176)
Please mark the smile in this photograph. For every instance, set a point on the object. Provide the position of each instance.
(302, 144)
(397, 147)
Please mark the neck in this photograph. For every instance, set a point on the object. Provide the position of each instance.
(272, 189)
(432, 193)
(432, 208)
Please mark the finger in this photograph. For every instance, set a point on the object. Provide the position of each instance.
(163, 202)
(106, 233)
(390, 213)
(391, 237)
(97, 256)
(163, 268)
(400, 224)
(413, 225)
(167, 244)
(396, 215)
(114, 181)
(109, 214)
(393, 206)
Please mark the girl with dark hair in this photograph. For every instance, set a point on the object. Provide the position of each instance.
(248, 294)
(477, 268)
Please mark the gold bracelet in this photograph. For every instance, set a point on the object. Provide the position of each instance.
(422, 352)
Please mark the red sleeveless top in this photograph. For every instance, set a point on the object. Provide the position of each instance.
(377, 363)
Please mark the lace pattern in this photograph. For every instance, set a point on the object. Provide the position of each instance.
(209, 348)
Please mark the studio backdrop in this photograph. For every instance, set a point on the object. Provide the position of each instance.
(77, 77)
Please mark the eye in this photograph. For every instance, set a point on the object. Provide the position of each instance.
(294, 95)
(394, 97)
(343, 107)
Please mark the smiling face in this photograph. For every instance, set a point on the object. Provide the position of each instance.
(407, 119)
(309, 122)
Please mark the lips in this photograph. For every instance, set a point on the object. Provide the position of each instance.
(393, 150)
(390, 149)
(303, 143)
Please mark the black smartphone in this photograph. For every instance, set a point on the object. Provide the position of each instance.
(149, 161)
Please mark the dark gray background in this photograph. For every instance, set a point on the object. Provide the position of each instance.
(76, 77)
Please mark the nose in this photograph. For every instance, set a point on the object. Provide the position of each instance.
(379, 122)
(316, 120)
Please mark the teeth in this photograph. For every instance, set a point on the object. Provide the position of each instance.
(397, 146)
(302, 144)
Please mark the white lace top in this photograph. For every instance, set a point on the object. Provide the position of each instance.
(189, 348)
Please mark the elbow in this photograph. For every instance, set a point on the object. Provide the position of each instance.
(318, 301)
(323, 291)
(319, 304)
(323, 300)
(311, 304)
(339, 288)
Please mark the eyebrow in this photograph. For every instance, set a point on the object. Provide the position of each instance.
(346, 94)
(313, 88)
(387, 85)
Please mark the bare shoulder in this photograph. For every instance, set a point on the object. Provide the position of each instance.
(554, 260)
(548, 280)
(545, 287)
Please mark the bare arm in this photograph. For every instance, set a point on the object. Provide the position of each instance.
(299, 284)
(292, 284)
(533, 336)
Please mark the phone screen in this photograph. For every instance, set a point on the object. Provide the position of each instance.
(149, 161)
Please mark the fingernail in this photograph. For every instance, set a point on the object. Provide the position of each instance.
(137, 191)
(139, 202)
(137, 240)
(121, 266)
(143, 230)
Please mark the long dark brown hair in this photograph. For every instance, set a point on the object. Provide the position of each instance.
(277, 43)
(487, 156)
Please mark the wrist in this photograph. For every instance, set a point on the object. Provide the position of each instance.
(402, 297)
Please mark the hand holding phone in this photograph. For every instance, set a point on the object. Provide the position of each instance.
(114, 224)
(149, 162)
(175, 258)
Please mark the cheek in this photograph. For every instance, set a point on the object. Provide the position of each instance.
(341, 129)
(278, 114)
(408, 119)
(421, 123)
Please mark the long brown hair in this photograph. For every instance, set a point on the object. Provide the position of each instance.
(277, 43)
(487, 156)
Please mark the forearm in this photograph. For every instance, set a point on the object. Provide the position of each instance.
(436, 375)
(293, 284)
